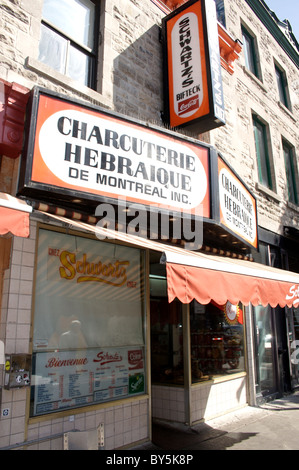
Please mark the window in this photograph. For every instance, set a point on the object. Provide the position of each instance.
(282, 86)
(220, 12)
(68, 38)
(89, 323)
(289, 161)
(217, 340)
(249, 52)
(261, 147)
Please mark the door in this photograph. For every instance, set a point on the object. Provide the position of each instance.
(266, 377)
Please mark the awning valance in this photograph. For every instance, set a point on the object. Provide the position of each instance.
(204, 277)
(209, 278)
(14, 216)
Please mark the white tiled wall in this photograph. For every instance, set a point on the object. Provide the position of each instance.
(207, 400)
(168, 403)
(211, 400)
(123, 424)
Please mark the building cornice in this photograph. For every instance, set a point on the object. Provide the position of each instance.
(271, 22)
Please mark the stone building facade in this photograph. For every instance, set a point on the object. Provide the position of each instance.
(129, 81)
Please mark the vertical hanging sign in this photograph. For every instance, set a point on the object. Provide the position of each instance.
(192, 84)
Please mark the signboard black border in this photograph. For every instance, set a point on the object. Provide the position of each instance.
(217, 202)
(88, 201)
(65, 198)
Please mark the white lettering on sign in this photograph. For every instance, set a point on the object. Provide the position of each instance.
(237, 207)
(187, 72)
(294, 294)
(102, 155)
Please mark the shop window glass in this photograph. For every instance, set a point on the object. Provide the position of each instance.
(89, 338)
(295, 350)
(68, 38)
(217, 340)
(265, 350)
(166, 336)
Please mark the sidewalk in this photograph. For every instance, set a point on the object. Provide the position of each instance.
(273, 426)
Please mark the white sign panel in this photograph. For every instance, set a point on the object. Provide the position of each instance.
(68, 379)
(237, 206)
(97, 156)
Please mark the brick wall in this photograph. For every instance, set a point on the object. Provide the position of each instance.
(130, 81)
(244, 94)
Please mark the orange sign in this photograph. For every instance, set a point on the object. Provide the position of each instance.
(193, 87)
(86, 153)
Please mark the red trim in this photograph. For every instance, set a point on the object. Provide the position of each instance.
(13, 101)
(169, 5)
(229, 49)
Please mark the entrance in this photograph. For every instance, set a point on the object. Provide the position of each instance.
(169, 401)
(265, 357)
(272, 353)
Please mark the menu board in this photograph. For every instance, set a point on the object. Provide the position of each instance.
(67, 379)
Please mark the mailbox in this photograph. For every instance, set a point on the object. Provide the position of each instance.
(17, 371)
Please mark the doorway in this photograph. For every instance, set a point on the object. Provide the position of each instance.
(272, 353)
(265, 357)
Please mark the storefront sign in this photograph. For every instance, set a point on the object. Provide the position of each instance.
(82, 270)
(237, 205)
(82, 152)
(193, 84)
(78, 154)
(68, 379)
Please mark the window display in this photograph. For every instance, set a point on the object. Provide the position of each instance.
(217, 340)
(89, 338)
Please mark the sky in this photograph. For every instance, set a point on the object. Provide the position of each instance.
(286, 9)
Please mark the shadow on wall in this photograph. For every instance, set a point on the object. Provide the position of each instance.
(138, 78)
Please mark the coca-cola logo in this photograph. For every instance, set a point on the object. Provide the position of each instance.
(294, 294)
(135, 359)
(188, 105)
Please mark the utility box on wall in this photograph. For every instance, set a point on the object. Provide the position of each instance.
(17, 371)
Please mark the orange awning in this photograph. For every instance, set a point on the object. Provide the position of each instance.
(210, 278)
(14, 216)
(195, 275)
